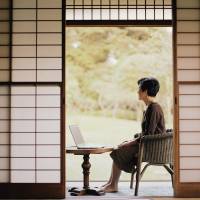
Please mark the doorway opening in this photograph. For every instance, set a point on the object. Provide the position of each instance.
(103, 65)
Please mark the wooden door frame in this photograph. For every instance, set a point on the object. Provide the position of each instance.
(149, 23)
(181, 189)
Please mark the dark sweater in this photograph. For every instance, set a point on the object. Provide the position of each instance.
(153, 120)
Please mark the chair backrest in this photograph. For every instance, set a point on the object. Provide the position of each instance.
(157, 149)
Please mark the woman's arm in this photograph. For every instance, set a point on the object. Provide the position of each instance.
(128, 143)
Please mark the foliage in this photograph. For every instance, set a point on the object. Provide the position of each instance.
(104, 64)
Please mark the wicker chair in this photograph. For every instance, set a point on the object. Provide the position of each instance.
(154, 150)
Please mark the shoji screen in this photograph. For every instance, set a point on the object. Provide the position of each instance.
(4, 135)
(32, 147)
(4, 40)
(188, 88)
(5, 54)
(115, 10)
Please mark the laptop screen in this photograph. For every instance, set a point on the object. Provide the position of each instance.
(76, 133)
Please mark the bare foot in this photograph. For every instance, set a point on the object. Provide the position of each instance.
(110, 188)
(104, 185)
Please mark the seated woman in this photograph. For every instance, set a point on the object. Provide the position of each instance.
(125, 156)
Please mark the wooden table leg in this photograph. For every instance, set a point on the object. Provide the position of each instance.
(86, 171)
(86, 188)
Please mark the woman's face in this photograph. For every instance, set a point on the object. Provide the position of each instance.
(142, 94)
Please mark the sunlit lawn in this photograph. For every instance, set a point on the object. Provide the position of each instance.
(108, 131)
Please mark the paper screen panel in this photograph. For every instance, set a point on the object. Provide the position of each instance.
(189, 137)
(189, 176)
(26, 39)
(29, 122)
(4, 41)
(189, 113)
(37, 35)
(189, 131)
(190, 150)
(24, 3)
(188, 71)
(36, 27)
(188, 4)
(21, 14)
(4, 134)
(118, 10)
(188, 38)
(189, 89)
(188, 26)
(188, 14)
(190, 163)
(189, 75)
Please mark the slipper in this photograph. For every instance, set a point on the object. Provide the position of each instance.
(73, 194)
(72, 189)
(101, 192)
(97, 192)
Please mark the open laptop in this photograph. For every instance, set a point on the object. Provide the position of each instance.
(79, 140)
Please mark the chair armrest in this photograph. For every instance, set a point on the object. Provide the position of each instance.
(137, 135)
(157, 136)
(169, 130)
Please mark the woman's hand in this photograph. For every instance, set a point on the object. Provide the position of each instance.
(124, 144)
(127, 143)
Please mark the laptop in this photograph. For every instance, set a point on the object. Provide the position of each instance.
(79, 140)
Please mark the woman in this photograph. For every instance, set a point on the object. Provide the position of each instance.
(125, 156)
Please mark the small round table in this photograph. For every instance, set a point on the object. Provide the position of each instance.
(86, 169)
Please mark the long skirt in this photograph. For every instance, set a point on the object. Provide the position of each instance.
(125, 157)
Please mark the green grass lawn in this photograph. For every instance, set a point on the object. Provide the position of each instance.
(109, 131)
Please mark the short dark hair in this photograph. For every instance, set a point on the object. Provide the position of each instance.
(150, 84)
